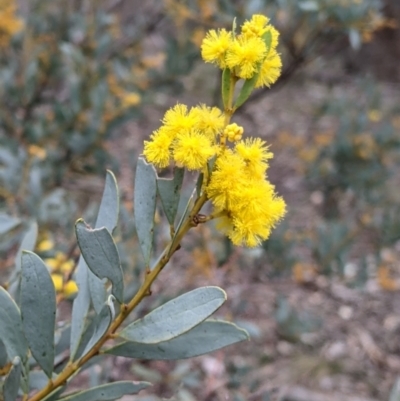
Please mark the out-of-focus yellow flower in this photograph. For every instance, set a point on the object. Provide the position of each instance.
(374, 115)
(270, 70)
(70, 288)
(130, 99)
(37, 151)
(9, 23)
(45, 245)
(58, 281)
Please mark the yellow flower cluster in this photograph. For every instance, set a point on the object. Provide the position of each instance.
(9, 23)
(248, 54)
(241, 194)
(187, 137)
(242, 197)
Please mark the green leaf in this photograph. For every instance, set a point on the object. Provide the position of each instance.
(101, 324)
(206, 337)
(7, 223)
(169, 191)
(176, 316)
(226, 86)
(38, 310)
(107, 392)
(107, 217)
(11, 332)
(144, 204)
(101, 255)
(12, 381)
(246, 90)
(267, 38)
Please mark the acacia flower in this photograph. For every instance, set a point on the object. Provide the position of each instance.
(270, 70)
(9, 23)
(255, 154)
(157, 151)
(215, 46)
(258, 26)
(178, 119)
(210, 120)
(245, 56)
(192, 150)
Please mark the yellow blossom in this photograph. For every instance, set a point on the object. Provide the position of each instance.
(57, 281)
(215, 46)
(178, 119)
(210, 120)
(45, 245)
(70, 288)
(254, 152)
(157, 151)
(226, 178)
(258, 26)
(233, 132)
(245, 56)
(270, 70)
(130, 99)
(9, 24)
(192, 150)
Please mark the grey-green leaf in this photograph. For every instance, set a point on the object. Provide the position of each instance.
(176, 316)
(80, 307)
(38, 310)
(144, 204)
(206, 337)
(109, 207)
(7, 223)
(107, 392)
(28, 243)
(11, 332)
(101, 324)
(107, 217)
(101, 255)
(12, 381)
(3, 355)
(169, 191)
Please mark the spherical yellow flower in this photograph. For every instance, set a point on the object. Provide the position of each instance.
(226, 180)
(178, 119)
(57, 281)
(254, 152)
(215, 46)
(270, 70)
(70, 288)
(210, 120)
(245, 56)
(256, 26)
(192, 150)
(157, 151)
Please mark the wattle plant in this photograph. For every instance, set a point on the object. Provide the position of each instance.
(231, 176)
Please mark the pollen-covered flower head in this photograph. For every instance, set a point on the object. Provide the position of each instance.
(178, 119)
(210, 120)
(192, 150)
(157, 150)
(245, 56)
(215, 46)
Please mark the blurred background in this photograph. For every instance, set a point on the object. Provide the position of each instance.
(83, 83)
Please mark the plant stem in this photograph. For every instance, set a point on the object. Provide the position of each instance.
(126, 309)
